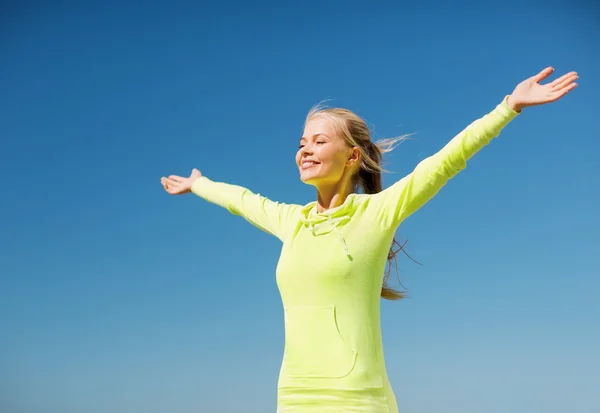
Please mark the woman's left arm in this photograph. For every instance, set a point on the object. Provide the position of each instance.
(410, 193)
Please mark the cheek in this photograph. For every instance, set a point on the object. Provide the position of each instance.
(333, 160)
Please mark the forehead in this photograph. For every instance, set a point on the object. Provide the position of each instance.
(319, 125)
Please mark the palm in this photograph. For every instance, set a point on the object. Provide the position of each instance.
(178, 185)
(531, 93)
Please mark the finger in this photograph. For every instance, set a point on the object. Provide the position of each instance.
(176, 178)
(543, 74)
(563, 77)
(560, 93)
(564, 81)
(169, 189)
(165, 185)
(170, 182)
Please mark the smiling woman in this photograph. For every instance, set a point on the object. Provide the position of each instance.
(337, 156)
(333, 357)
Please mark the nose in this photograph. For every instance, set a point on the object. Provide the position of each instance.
(306, 150)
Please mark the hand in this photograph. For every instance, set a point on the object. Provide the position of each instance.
(531, 93)
(178, 185)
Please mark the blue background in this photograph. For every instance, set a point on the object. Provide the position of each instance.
(116, 297)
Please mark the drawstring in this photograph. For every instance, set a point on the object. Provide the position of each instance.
(334, 222)
(342, 240)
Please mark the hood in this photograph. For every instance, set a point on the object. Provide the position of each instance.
(321, 223)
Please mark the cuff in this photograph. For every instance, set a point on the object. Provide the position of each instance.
(506, 110)
(200, 185)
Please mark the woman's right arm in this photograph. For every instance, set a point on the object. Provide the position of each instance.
(270, 216)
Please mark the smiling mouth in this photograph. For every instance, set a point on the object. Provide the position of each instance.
(308, 164)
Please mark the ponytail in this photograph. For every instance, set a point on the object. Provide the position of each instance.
(369, 181)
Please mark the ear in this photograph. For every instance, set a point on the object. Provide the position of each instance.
(354, 156)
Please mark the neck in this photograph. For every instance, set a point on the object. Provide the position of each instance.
(329, 197)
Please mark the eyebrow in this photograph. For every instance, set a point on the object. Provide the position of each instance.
(316, 135)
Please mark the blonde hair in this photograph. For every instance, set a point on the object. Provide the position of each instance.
(356, 133)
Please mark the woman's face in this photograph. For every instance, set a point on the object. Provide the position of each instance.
(323, 156)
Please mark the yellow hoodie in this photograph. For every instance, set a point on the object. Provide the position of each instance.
(330, 273)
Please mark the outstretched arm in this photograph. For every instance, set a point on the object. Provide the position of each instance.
(406, 196)
(270, 216)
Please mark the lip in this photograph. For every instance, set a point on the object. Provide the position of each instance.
(308, 163)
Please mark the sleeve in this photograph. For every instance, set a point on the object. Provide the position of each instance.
(272, 217)
(413, 191)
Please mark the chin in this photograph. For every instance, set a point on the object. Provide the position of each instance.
(309, 179)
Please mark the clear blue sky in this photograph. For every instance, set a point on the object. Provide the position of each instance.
(117, 298)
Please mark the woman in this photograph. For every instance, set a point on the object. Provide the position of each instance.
(331, 270)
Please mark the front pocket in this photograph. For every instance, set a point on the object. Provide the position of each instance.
(313, 344)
